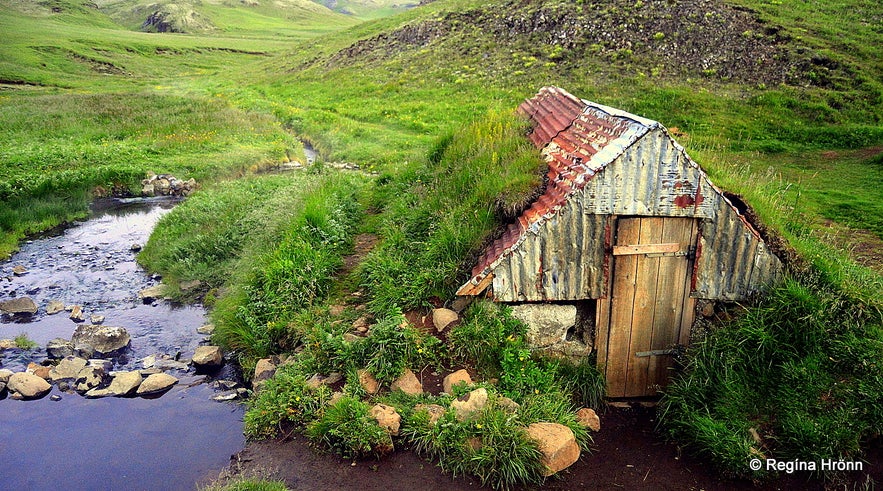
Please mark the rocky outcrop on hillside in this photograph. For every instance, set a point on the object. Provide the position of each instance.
(705, 38)
(176, 18)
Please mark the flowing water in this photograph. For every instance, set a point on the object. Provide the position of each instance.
(170, 442)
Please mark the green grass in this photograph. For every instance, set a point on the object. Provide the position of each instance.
(486, 173)
(88, 103)
(802, 368)
(22, 341)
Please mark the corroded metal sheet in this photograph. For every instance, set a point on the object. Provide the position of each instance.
(734, 262)
(563, 259)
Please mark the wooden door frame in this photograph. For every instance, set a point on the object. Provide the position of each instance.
(603, 310)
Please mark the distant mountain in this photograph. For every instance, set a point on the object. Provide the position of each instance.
(206, 16)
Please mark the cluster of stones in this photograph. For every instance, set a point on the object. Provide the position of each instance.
(166, 185)
(556, 442)
(80, 365)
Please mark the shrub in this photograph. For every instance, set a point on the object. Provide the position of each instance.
(583, 381)
(493, 446)
(484, 335)
(346, 428)
(284, 398)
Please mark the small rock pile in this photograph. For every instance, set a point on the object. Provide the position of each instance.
(80, 366)
(167, 185)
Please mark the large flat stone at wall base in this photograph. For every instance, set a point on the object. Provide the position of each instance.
(574, 351)
(547, 324)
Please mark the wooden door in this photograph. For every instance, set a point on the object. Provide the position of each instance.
(649, 310)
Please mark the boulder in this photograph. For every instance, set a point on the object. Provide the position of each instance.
(59, 348)
(156, 384)
(19, 270)
(67, 369)
(507, 404)
(20, 305)
(460, 303)
(88, 378)
(468, 405)
(39, 370)
(54, 307)
(25, 385)
(264, 370)
(7, 344)
(408, 383)
(152, 293)
(335, 396)
(166, 364)
(387, 418)
(589, 418)
(442, 318)
(96, 319)
(368, 382)
(103, 340)
(361, 324)
(77, 313)
(208, 356)
(557, 444)
(317, 380)
(434, 410)
(206, 330)
(547, 324)
(573, 350)
(5, 374)
(458, 377)
(123, 384)
(186, 286)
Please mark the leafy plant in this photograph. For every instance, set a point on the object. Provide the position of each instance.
(483, 337)
(346, 428)
(22, 341)
(284, 398)
(492, 446)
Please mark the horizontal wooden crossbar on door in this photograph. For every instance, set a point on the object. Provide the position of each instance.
(628, 250)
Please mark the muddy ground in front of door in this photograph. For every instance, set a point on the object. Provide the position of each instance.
(627, 454)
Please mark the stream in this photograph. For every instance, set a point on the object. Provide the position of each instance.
(171, 442)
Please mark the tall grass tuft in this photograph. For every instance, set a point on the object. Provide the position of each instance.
(440, 215)
(801, 369)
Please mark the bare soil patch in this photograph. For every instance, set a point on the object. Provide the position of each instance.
(627, 454)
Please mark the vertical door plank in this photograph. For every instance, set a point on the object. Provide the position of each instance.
(621, 303)
(602, 319)
(689, 308)
(643, 310)
(670, 300)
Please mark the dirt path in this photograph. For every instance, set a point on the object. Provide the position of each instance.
(627, 454)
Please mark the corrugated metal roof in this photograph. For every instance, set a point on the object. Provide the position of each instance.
(579, 139)
(546, 256)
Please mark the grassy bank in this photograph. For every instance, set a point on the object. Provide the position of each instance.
(60, 151)
(265, 248)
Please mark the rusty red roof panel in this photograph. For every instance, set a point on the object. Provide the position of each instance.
(571, 133)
